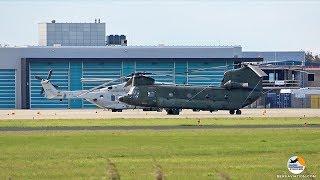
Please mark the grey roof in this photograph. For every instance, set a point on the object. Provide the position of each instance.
(125, 52)
(10, 56)
(270, 56)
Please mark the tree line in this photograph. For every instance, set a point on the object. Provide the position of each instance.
(310, 58)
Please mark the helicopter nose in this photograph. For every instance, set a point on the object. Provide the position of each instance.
(122, 99)
(126, 99)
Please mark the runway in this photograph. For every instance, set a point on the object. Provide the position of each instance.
(128, 128)
(127, 114)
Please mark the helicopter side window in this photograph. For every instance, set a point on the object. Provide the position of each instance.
(113, 97)
(110, 87)
(135, 92)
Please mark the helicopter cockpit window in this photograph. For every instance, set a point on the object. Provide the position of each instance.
(151, 94)
(135, 92)
(131, 90)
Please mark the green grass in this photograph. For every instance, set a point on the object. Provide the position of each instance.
(158, 122)
(182, 154)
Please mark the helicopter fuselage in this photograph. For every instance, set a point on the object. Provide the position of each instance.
(209, 98)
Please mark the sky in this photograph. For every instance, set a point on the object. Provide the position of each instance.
(256, 25)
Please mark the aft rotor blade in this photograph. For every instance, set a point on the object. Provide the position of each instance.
(272, 62)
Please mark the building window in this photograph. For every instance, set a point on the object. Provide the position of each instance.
(310, 77)
(271, 77)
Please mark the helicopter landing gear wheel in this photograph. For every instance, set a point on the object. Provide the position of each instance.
(231, 111)
(116, 110)
(173, 111)
(238, 112)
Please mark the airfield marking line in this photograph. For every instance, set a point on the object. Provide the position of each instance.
(128, 114)
(182, 127)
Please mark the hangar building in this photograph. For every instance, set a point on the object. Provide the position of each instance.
(19, 65)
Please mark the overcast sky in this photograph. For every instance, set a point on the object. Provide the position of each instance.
(261, 25)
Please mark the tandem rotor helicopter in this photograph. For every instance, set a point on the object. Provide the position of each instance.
(240, 87)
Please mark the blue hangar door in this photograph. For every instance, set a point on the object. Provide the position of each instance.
(103, 68)
(67, 75)
(7, 88)
(60, 77)
(211, 74)
(163, 69)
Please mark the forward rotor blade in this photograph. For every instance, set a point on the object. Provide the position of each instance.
(165, 83)
(95, 80)
(100, 86)
(139, 74)
(210, 68)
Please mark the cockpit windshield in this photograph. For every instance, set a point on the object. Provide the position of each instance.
(134, 91)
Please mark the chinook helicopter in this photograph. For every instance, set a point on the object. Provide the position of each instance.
(239, 88)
